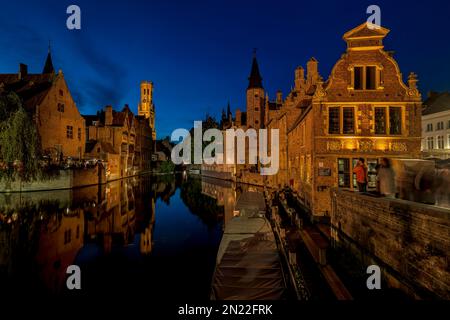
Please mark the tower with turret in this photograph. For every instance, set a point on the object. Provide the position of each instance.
(146, 107)
(255, 97)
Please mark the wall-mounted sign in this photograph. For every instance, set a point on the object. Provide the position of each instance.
(324, 172)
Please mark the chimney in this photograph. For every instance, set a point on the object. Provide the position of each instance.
(279, 97)
(108, 116)
(299, 77)
(312, 70)
(23, 71)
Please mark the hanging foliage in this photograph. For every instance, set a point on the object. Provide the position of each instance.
(19, 142)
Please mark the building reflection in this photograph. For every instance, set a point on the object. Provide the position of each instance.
(224, 192)
(66, 227)
(42, 233)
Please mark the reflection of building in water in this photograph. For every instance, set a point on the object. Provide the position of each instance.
(165, 190)
(60, 239)
(224, 192)
(111, 222)
(61, 233)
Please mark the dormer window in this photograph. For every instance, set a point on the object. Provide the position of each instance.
(365, 78)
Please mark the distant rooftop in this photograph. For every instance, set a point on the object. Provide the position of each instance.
(436, 102)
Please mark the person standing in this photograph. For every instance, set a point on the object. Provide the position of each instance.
(361, 175)
(386, 179)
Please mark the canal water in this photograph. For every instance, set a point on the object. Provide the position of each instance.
(156, 235)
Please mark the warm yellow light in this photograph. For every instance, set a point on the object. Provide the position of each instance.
(382, 145)
(350, 144)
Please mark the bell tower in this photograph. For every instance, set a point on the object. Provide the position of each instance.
(146, 107)
(255, 97)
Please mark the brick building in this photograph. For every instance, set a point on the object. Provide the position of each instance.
(364, 109)
(47, 97)
(117, 131)
(126, 141)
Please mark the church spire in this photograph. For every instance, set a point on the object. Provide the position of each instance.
(48, 67)
(255, 79)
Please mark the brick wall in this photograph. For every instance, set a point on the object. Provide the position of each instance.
(409, 241)
(52, 124)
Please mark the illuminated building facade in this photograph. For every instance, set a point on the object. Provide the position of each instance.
(363, 110)
(436, 126)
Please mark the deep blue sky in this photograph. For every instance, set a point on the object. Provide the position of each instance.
(198, 53)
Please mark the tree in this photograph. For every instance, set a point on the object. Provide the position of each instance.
(19, 142)
(9, 103)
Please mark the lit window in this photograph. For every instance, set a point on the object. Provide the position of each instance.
(395, 120)
(349, 120)
(69, 132)
(429, 127)
(388, 120)
(335, 126)
(344, 173)
(430, 143)
(380, 120)
(334, 120)
(440, 142)
(440, 125)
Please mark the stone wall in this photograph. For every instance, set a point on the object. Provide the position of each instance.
(65, 179)
(409, 241)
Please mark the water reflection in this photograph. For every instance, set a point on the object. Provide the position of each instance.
(157, 231)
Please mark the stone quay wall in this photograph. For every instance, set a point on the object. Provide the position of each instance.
(409, 241)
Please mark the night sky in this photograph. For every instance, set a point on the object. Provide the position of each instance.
(198, 53)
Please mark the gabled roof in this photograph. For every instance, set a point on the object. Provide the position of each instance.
(366, 30)
(437, 102)
(31, 88)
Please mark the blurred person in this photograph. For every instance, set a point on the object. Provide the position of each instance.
(425, 183)
(443, 186)
(361, 175)
(386, 179)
